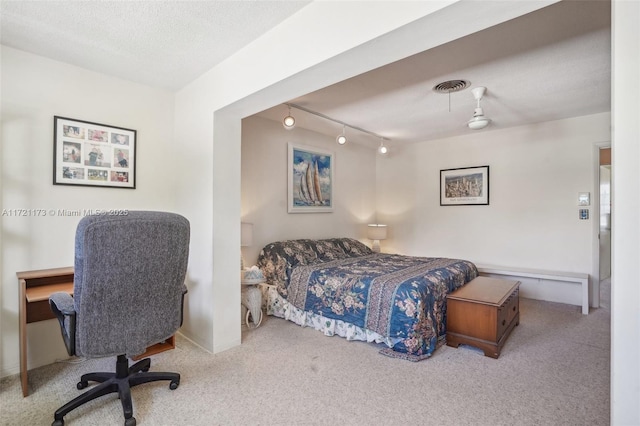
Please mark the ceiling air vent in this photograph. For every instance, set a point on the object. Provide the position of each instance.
(451, 86)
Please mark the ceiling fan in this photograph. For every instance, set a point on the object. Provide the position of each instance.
(478, 121)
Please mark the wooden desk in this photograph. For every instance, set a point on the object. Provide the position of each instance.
(35, 289)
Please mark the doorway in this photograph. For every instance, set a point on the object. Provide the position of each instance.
(604, 232)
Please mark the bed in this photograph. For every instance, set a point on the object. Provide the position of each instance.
(340, 287)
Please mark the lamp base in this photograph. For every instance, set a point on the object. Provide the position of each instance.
(376, 246)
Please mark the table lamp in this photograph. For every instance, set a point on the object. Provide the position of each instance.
(376, 232)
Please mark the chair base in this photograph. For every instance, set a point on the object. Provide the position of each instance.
(121, 382)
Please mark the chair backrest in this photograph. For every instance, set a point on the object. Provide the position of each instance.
(129, 281)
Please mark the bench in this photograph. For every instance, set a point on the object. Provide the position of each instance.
(567, 277)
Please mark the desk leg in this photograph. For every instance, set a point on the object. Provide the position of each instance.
(23, 338)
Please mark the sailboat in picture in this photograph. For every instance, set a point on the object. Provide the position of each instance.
(309, 187)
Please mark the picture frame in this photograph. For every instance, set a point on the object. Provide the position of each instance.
(310, 179)
(467, 186)
(93, 154)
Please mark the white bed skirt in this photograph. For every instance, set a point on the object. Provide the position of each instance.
(277, 306)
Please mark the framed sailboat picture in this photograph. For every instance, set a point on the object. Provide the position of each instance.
(310, 175)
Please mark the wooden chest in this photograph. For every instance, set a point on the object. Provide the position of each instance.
(482, 313)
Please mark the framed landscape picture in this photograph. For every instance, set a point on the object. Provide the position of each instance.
(93, 154)
(464, 186)
(310, 179)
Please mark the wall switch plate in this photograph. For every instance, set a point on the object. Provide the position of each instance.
(584, 214)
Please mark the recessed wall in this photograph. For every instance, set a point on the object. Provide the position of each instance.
(34, 89)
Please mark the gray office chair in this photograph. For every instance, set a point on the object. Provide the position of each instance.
(128, 295)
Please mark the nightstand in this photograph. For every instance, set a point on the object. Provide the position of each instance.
(251, 298)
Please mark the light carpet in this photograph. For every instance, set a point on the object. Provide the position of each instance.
(553, 370)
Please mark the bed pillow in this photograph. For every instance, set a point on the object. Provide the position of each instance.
(277, 259)
(354, 248)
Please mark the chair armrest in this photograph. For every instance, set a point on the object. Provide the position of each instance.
(185, 290)
(63, 307)
(62, 303)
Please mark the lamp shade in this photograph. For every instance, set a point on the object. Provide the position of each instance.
(246, 234)
(376, 231)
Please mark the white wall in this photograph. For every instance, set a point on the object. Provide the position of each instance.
(625, 149)
(535, 174)
(34, 89)
(264, 187)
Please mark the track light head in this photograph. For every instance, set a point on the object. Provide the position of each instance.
(382, 149)
(289, 122)
(342, 138)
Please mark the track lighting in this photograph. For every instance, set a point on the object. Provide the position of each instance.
(289, 122)
(342, 138)
(478, 121)
(382, 149)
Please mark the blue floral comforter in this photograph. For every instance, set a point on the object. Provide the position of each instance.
(399, 297)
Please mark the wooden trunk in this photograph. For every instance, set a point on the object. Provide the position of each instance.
(482, 314)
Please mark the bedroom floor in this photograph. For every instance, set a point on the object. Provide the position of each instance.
(554, 369)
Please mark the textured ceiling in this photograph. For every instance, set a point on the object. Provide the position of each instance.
(551, 64)
(159, 43)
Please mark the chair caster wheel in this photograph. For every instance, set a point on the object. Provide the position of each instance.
(131, 421)
(58, 423)
(82, 385)
(174, 385)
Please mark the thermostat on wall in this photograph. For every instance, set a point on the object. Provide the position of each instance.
(584, 214)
